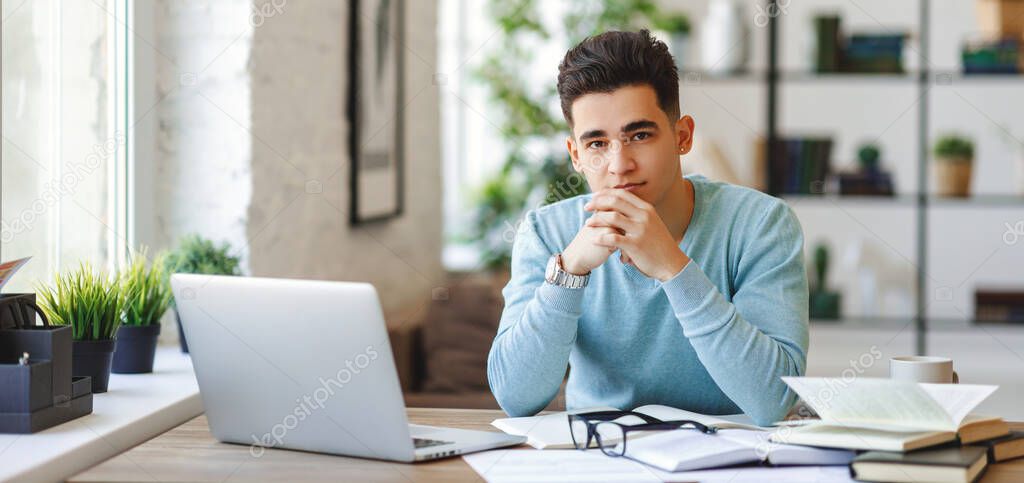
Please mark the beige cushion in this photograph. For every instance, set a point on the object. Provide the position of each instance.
(457, 334)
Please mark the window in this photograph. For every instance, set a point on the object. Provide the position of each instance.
(63, 159)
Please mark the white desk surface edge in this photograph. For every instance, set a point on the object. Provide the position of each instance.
(136, 408)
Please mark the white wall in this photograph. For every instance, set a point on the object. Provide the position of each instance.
(298, 68)
(202, 176)
(249, 118)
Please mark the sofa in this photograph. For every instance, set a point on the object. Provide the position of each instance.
(441, 344)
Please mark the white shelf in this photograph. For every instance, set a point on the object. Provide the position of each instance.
(136, 408)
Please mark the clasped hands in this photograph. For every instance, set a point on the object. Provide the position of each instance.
(623, 221)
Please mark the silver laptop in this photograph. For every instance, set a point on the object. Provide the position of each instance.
(305, 365)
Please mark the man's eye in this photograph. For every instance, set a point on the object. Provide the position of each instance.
(640, 136)
(595, 144)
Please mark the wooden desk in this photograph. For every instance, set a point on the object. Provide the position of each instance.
(189, 453)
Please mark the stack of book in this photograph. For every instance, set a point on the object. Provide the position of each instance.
(1001, 56)
(865, 183)
(799, 165)
(904, 431)
(860, 53)
(1002, 306)
(874, 53)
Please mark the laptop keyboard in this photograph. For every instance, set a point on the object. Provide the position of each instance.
(427, 443)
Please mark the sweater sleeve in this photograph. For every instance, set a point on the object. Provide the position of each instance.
(749, 344)
(530, 354)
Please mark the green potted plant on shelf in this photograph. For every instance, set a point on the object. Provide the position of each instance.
(824, 303)
(196, 254)
(867, 157)
(954, 158)
(677, 26)
(147, 296)
(91, 303)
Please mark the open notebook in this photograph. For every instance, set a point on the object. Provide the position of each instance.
(888, 415)
(551, 431)
(684, 450)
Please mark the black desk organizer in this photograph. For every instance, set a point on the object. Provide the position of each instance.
(42, 393)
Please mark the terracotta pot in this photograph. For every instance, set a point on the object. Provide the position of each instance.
(953, 176)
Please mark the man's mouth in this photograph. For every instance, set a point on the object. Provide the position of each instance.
(630, 186)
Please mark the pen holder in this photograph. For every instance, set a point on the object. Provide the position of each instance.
(40, 393)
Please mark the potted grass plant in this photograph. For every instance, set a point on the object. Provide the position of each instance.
(90, 303)
(954, 158)
(196, 254)
(147, 296)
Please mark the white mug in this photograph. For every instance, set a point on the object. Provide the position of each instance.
(923, 369)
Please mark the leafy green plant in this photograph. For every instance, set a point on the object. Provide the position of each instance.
(953, 147)
(821, 257)
(537, 169)
(868, 155)
(673, 23)
(90, 302)
(196, 254)
(147, 291)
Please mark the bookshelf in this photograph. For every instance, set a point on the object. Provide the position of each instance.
(920, 203)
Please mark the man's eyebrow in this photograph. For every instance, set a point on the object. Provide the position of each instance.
(593, 133)
(632, 126)
(641, 124)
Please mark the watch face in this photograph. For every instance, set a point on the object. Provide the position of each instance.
(549, 273)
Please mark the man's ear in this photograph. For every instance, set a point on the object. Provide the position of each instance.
(570, 145)
(684, 134)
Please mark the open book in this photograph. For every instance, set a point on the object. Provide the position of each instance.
(551, 431)
(888, 415)
(692, 450)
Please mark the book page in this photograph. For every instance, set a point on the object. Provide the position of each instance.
(872, 402)
(545, 431)
(666, 413)
(690, 449)
(829, 436)
(958, 399)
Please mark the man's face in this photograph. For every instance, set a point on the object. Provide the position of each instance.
(624, 139)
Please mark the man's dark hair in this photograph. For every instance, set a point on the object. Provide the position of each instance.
(611, 60)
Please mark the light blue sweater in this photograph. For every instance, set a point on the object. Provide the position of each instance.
(714, 339)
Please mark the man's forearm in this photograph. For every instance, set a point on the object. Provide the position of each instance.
(530, 355)
(744, 361)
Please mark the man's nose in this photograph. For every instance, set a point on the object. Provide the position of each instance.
(619, 158)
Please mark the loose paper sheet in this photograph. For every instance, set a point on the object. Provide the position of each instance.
(532, 466)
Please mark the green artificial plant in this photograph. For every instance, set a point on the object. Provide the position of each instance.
(88, 301)
(147, 291)
(868, 155)
(953, 147)
(196, 254)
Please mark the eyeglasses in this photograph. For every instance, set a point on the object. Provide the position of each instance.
(602, 427)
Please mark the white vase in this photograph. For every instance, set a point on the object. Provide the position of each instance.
(723, 38)
(678, 46)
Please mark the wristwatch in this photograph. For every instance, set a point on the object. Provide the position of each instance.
(556, 274)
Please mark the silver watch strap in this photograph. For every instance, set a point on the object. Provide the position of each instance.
(556, 275)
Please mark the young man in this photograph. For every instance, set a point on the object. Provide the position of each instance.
(704, 305)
